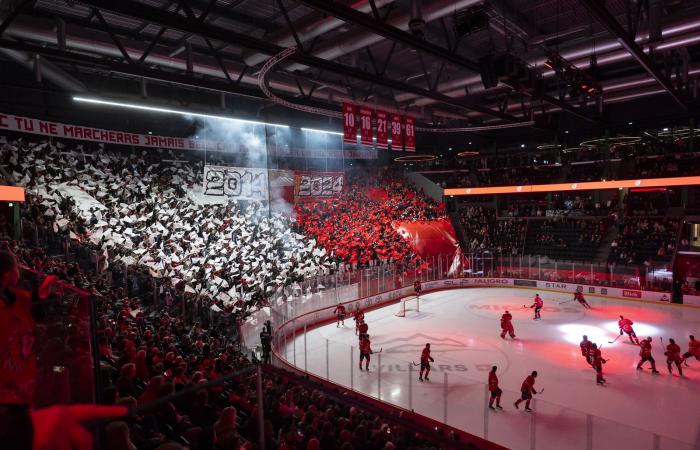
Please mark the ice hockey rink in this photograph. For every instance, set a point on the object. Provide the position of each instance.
(634, 410)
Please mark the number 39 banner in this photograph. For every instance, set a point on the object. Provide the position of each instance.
(365, 126)
(396, 134)
(382, 130)
(349, 124)
(237, 183)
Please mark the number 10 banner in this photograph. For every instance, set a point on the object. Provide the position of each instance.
(382, 130)
(365, 126)
(349, 124)
(396, 135)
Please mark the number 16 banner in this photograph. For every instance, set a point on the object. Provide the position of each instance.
(366, 126)
(349, 124)
(396, 135)
(410, 134)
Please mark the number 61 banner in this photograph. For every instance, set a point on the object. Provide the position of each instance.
(236, 183)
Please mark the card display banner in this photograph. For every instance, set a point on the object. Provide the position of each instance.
(382, 129)
(410, 134)
(235, 183)
(30, 125)
(312, 185)
(396, 133)
(366, 126)
(349, 124)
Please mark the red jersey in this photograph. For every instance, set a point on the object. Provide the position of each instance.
(597, 356)
(506, 318)
(365, 346)
(694, 347)
(363, 328)
(645, 349)
(625, 325)
(17, 353)
(359, 316)
(673, 352)
(528, 385)
(493, 382)
(425, 356)
(416, 285)
(538, 302)
(340, 309)
(585, 347)
(578, 296)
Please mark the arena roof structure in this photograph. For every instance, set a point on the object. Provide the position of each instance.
(453, 64)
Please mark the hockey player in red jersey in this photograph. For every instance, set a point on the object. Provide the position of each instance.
(693, 349)
(507, 325)
(365, 351)
(626, 327)
(494, 389)
(527, 390)
(673, 355)
(645, 353)
(538, 304)
(359, 317)
(339, 312)
(597, 362)
(363, 329)
(578, 296)
(586, 348)
(417, 287)
(425, 360)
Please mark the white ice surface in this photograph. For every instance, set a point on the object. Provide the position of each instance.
(635, 410)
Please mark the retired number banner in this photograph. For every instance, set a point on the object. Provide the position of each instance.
(410, 134)
(237, 183)
(349, 124)
(396, 135)
(382, 130)
(309, 185)
(366, 126)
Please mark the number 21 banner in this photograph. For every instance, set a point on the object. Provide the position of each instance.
(396, 135)
(410, 134)
(349, 125)
(365, 126)
(382, 130)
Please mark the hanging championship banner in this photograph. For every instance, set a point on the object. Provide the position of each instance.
(382, 130)
(410, 134)
(349, 125)
(236, 183)
(366, 126)
(310, 185)
(396, 135)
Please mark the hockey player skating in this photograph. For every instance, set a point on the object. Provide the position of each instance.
(537, 304)
(673, 356)
(494, 389)
(363, 330)
(339, 312)
(425, 360)
(693, 349)
(365, 352)
(507, 325)
(527, 390)
(645, 354)
(586, 348)
(578, 296)
(597, 362)
(417, 288)
(626, 327)
(359, 317)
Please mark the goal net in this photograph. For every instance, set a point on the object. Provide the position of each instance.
(411, 303)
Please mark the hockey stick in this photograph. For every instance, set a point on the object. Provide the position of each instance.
(414, 363)
(618, 337)
(566, 301)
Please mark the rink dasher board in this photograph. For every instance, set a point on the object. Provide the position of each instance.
(323, 316)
